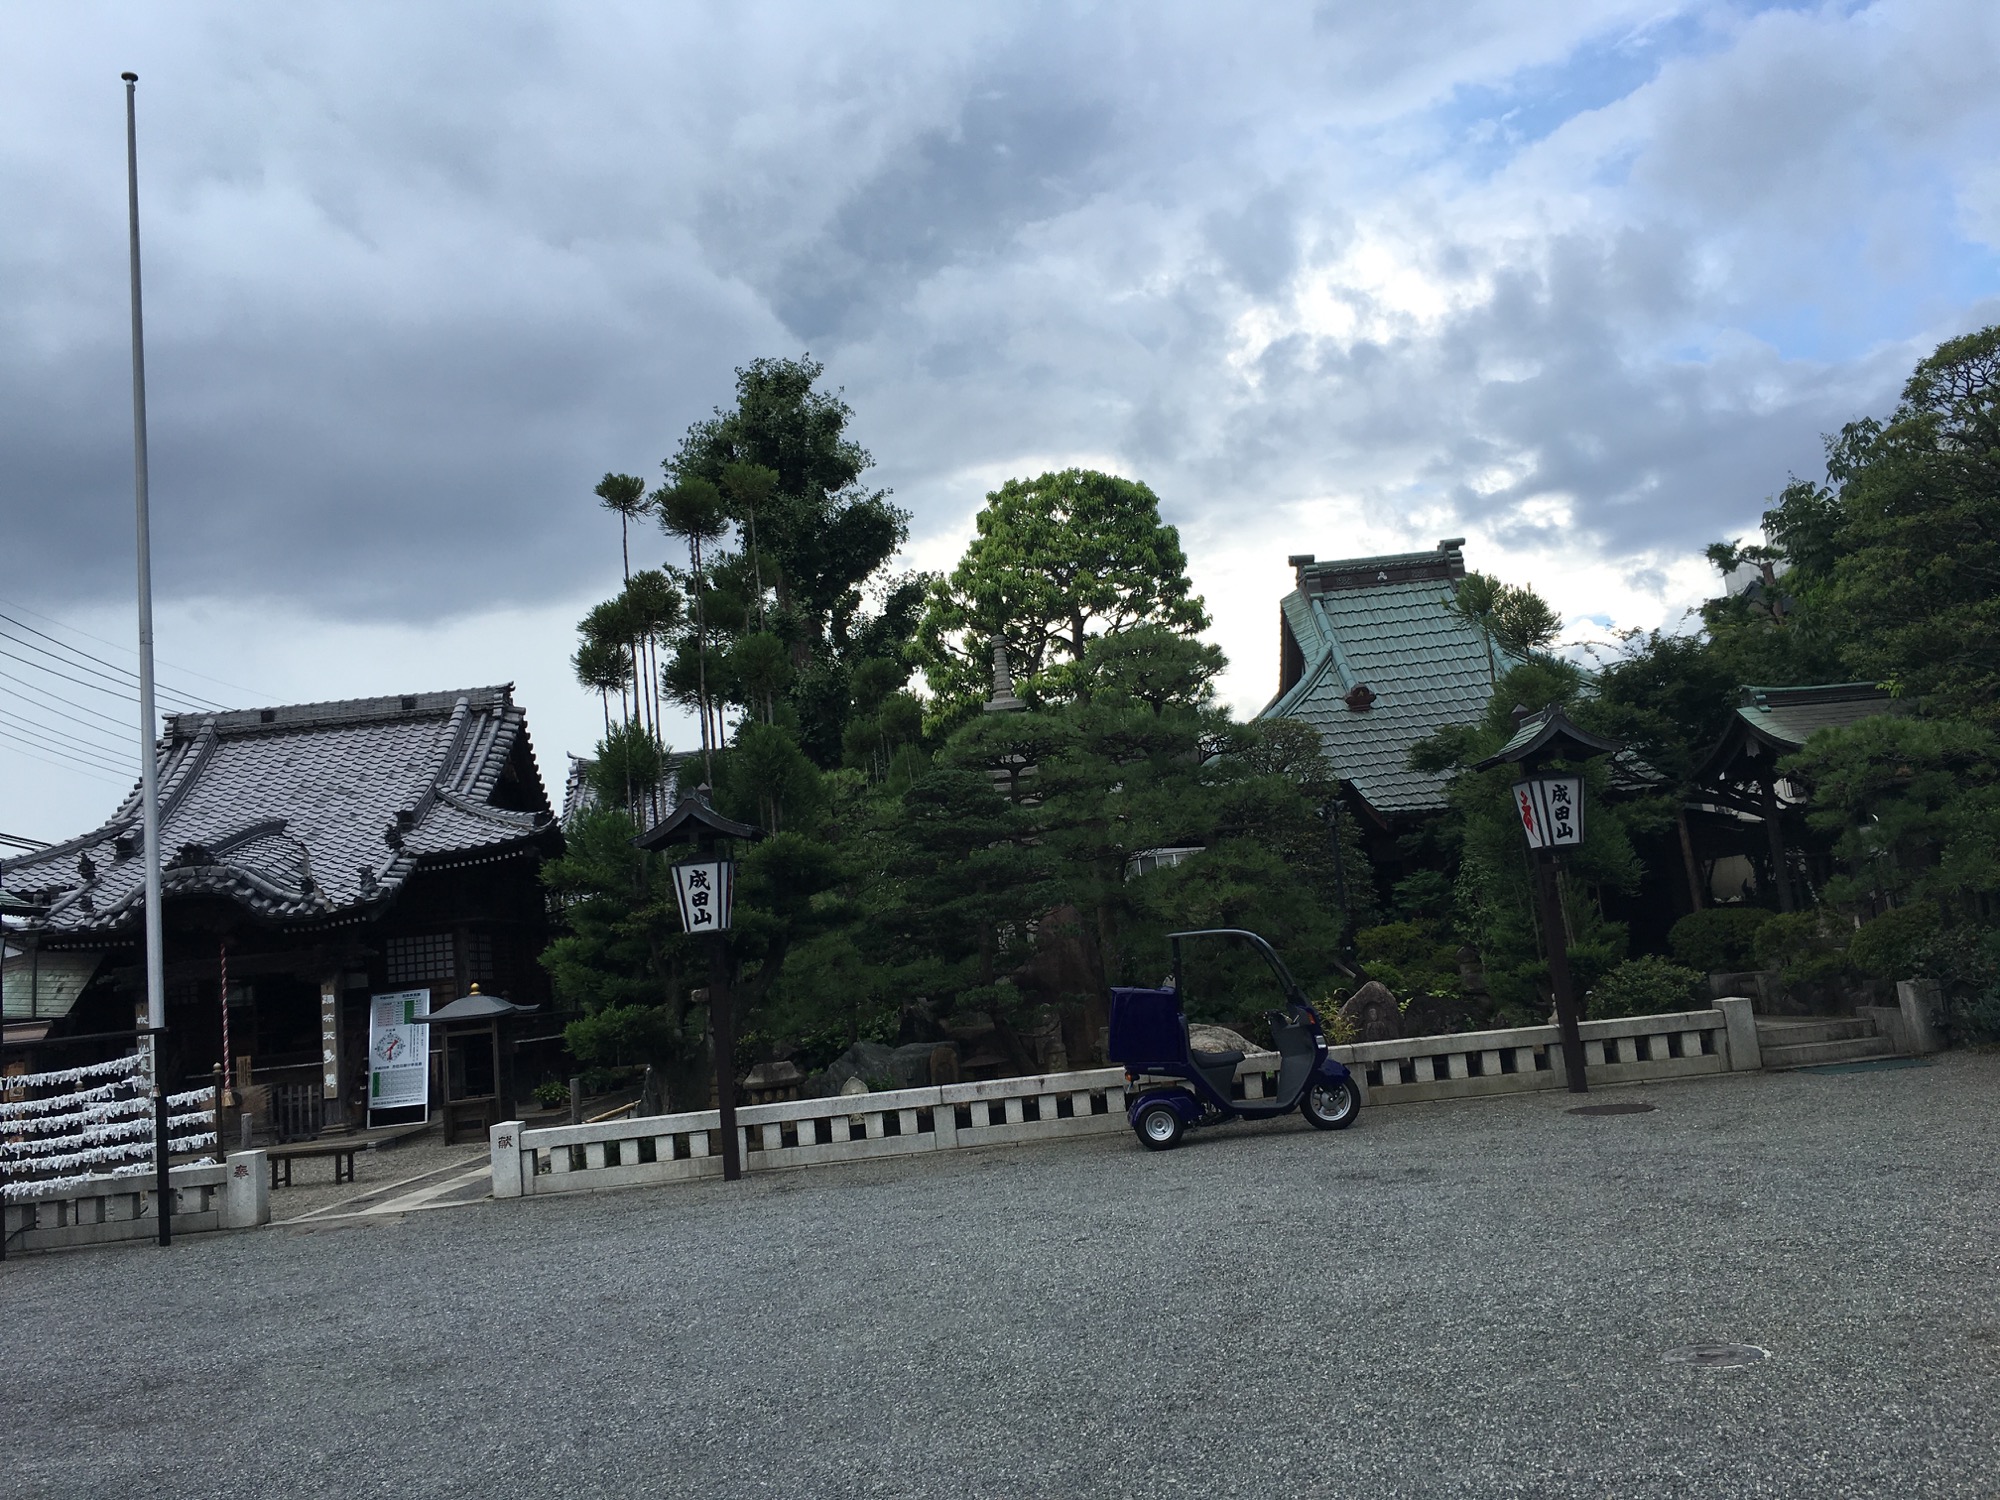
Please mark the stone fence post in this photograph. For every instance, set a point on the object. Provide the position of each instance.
(1745, 1054)
(246, 1190)
(506, 1149)
(1918, 1001)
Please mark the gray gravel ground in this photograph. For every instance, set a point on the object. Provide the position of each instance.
(1461, 1299)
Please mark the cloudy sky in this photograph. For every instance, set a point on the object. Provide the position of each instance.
(1582, 283)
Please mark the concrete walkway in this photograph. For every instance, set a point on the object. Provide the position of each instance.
(1453, 1299)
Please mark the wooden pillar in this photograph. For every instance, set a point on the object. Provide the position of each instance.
(1693, 865)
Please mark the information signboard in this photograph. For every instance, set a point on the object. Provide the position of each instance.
(399, 1063)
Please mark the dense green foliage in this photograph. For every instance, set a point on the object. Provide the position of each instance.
(1003, 869)
(997, 867)
(1646, 986)
(1058, 561)
(1718, 938)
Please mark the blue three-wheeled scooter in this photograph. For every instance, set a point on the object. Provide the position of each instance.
(1149, 1037)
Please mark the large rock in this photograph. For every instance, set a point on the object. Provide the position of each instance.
(1374, 1013)
(876, 1066)
(1205, 1038)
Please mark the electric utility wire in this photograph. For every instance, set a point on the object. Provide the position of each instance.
(116, 685)
(78, 651)
(177, 666)
(66, 765)
(71, 759)
(13, 712)
(79, 681)
(57, 739)
(41, 692)
(30, 713)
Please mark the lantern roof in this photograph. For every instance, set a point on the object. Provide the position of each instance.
(693, 821)
(1548, 735)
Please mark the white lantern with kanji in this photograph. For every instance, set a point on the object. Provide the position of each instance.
(1551, 810)
(705, 889)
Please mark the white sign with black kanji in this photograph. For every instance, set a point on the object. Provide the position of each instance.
(705, 889)
(1551, 811)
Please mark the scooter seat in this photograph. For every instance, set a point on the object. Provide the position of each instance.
(1216, 1059)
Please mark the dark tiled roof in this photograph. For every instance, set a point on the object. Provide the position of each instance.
(1385, 623)
(1784, 718)
(308, 812)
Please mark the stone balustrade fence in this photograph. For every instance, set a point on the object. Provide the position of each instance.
(656, 1149)
(232, 1194)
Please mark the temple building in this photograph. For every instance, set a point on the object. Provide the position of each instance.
(317, 854)
(1373, 655)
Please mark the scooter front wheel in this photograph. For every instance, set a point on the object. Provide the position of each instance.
(1159, 1127)
(1332, 1105)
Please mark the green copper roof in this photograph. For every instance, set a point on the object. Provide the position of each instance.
(1791, 716)
(1782, 719)
(1366, 622)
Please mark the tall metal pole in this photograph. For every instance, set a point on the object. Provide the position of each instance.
(149, 773)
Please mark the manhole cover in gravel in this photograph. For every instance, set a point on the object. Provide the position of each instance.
(1632, 1108)
(1716, 1356)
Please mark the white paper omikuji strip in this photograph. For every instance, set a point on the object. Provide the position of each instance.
(56, 1186)
(89, 1135)
(91, 1114)
(205, 1097)
(118, 1067)
(89, 1156)
(21, 1109)
(38, 1156)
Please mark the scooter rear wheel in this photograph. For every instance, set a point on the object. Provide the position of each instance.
(1332, 1106)
(1159, 1127)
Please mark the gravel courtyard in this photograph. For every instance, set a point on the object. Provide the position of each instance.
(1450, 1299)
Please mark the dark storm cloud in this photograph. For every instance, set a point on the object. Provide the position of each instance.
(417, 277)
(1020, 151)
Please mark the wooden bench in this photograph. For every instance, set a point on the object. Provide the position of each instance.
(342, 1152)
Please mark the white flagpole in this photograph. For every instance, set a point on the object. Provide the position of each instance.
(149, 772)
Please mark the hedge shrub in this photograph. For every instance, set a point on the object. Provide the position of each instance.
(1720, 939)
(1648, 986)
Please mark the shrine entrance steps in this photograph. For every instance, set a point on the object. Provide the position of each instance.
(1812, 1041)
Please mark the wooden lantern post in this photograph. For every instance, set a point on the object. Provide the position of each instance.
(1549, 803)
(705, 888)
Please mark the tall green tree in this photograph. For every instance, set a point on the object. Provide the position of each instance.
(813, 545)
(1896, 561)
(1058, 560)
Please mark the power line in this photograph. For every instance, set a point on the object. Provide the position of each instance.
(26, 735)
(177, 666)
(64, 765)
(120, 726)
(118, 682)
(106, 683)
(115, 690)
(58, 739)
(77, 651)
